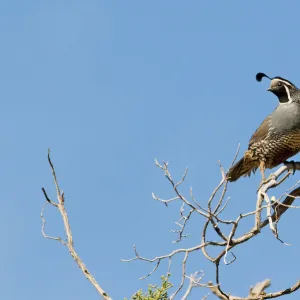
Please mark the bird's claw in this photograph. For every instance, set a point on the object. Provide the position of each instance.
(291, 162)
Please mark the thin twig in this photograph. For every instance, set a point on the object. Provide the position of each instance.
(43, 228)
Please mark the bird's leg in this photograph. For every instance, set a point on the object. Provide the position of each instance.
(262, 168)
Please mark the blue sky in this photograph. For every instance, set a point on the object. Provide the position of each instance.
(109, 86)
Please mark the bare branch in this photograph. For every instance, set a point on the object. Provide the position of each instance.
(69, 243)
(194, 282)
(53, 174)
(182, 179)
(182, 226)
(286, 291)
(183, 276)
(195, 201)
(48, 199)
(259, 288)
(168, 256)
(43, 228)
(155, 268)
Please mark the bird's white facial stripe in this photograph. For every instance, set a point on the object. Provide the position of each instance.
(288, 93)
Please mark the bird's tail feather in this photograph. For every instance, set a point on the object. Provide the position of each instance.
(241, 168)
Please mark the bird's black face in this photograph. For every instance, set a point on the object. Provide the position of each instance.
(277, 87)
(282, 89)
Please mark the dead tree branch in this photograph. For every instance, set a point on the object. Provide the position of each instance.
(268, 211)
(68, 242)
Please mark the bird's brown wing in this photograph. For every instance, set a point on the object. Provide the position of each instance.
(261, 132)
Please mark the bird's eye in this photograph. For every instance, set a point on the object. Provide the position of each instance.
(279, 83)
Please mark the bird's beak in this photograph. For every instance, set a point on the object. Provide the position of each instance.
(269, 89)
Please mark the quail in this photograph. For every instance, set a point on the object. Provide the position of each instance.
(278, 136)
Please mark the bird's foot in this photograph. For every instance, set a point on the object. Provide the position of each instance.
(291, 165)
(265, 181)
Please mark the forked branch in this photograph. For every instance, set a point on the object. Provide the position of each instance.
(68, 242)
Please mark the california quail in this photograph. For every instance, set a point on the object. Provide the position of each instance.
(278, 136)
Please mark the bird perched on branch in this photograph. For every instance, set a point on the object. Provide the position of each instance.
(278, 136)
